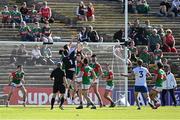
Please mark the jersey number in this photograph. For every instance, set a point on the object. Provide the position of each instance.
(141, 74)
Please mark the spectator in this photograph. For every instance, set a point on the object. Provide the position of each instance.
(36, 57)
(16, 16)
(25, 11)
(169, 42)
(134, 28)
(81, 11)
(118, 36)
(13, 57)
(82, 36)
(47, 54)
(6, 16)
(169, 85)
(153, 39)
(90, 12)
(47, 33)
(158, 54)
(131, 6)
(133, 51)
(34, 17)
(140, 38)
(165, 61)
(142, 6)
(24, 32)
(37, 32)
(147, 28)
(22, 55)
(161, 33)
(164, 8)
(145, 56)
(92, 34)
(175, 8)
(46, 13)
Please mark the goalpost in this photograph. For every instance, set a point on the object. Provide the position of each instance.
(111, 53)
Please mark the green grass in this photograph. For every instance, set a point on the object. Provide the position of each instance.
(70, 113)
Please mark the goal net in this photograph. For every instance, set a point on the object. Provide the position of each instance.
(37, 76)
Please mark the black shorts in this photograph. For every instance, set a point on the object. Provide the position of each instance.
(60, 88)
(70, 74)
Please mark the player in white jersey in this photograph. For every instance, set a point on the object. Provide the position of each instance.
(140, 74)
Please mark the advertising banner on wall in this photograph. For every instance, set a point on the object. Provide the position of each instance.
(43, 95)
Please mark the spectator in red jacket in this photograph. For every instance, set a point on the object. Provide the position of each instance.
(46, 13)
(169, 42)
(90, 12)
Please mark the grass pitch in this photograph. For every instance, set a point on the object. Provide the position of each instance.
(70, 113)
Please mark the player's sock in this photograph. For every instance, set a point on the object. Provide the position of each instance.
(112, 104)
(52, 102)
(81, 103)
(62, 101)
(7, 103)
(68, 94)
(24, 103)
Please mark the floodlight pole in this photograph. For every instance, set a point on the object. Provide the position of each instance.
(126, 52)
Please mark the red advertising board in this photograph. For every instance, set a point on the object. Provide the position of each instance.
(43, 95)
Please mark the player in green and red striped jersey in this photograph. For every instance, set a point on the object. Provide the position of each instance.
(108, 76)
(98, 71)
(159, 77)
(86, 73)
(15, 81)
(78, 81)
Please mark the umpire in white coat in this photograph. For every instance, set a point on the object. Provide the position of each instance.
(169, 85)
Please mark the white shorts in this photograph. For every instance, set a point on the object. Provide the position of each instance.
(158, 89)
(110, 88)
(96, 81)
(78, 80)
(84, 86)
(16, 85)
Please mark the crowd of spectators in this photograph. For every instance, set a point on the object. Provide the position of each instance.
(37, 56)
(152, 41)
(20, 18)
(137, 6)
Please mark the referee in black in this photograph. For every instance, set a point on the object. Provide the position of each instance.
(60, 83)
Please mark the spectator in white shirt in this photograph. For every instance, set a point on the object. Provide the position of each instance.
(169, 85)
(175, 8)
(37, 58)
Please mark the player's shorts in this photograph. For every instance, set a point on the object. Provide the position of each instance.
(96, 81)
(142, 89)
(78, 80)
(110, 88)
(158, 89)
(70, 74)
(85, 86)
(16, 85)
(60, 88)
